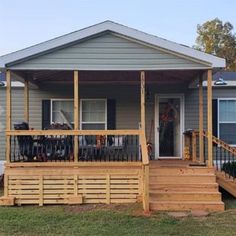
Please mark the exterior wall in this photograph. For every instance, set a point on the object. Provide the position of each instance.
(191, 104)
(127, 105)
(107, 52)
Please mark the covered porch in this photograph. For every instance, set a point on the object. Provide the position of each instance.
(125, 96)
(58, 163)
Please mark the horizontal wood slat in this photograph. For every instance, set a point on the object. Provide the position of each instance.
(58, 185)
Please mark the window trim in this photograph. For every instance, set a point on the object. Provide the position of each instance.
(80, 118)
(93, 99)
(218, 116)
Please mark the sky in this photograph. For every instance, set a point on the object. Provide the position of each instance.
(27, 22)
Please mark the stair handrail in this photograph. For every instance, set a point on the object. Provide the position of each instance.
(219, 142)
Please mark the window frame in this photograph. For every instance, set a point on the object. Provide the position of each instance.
(80, 118)
(218, 116)
(60, 100)
(97, 122)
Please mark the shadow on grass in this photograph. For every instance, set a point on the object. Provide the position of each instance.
(228, 199)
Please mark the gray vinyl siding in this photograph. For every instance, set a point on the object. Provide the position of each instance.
(107, 52)
(191, 104)
(127, 105)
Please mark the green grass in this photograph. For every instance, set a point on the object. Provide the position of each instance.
(112, 220)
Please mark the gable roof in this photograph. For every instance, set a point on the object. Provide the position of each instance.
(213, 61)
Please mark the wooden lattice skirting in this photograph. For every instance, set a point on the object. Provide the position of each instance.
(73, 184)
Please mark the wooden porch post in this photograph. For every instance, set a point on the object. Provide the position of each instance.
(8, 115)
(209, 116)
(201, 148)
(142, 100)
(144, 152)
(26, 101)
(76, 114)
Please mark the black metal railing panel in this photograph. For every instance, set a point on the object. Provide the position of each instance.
(46, 148)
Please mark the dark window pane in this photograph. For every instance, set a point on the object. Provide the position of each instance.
(93, 126)
(228, 133)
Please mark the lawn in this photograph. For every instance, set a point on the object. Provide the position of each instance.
(111, 220)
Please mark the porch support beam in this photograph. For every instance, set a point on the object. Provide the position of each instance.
(26, 100)
(76, 114)
(142, 75)
(201, 148)
(8, 115)
(209, 116)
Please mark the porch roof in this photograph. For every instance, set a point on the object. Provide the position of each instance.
(108, 26)
(44, 78)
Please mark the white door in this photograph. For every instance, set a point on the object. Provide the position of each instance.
(169, 121)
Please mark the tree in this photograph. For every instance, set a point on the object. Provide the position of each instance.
(217, 38)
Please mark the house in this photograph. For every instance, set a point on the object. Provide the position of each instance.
(93, 99)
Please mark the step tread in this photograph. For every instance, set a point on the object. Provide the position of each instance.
(181, 175)
(191, 192)
(187, 202)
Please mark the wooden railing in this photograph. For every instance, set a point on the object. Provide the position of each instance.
(58, 145)
(54, 147)
(224, 155)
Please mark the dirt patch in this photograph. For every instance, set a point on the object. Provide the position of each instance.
(131, 209)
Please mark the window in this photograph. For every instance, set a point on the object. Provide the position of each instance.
(227, 120)
(62, 110)
(93, 114)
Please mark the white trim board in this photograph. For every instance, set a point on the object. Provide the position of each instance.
(110, 26)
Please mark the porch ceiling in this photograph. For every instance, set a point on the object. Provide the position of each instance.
(173, 77)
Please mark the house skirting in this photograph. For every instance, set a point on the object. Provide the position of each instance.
(72, 183)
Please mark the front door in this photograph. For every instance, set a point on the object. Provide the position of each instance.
(169, 126)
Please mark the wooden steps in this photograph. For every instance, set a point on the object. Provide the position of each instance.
(229, 184)
(183, 187)
(186, 206)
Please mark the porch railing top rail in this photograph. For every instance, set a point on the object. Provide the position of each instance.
(72, 132)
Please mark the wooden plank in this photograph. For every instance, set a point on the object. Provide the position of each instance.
(26, 100)
(194, 147)
(72, 132)
(108, 195)
(7, 201)
(101, 164)
(41, 190)
(76, 114)
(143, 143)
(76, 185)
(146, 188)
(6, 178)
(75, 200)
(142, 80)
(209, 116)
(201, 147)
(8, 115)
(23, 191)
